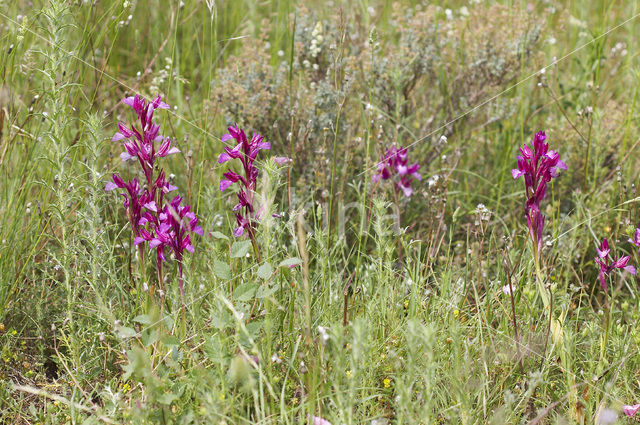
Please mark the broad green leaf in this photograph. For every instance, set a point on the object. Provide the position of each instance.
(244, 292)
(168, 321)
(145, 319)
(126, 332)
(240, 249)
(265, 270)
(149, 337)
(170, 340)
(265, 291)
(290, 262)
(221, 269)
(219, 235)
(166, 398)
(214, 351)
(220, 319)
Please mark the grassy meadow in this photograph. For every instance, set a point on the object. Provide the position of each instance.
(327, 282)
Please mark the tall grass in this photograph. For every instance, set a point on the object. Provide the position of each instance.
(331, 322)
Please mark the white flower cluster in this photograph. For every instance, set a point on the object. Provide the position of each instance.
(316, 40)
(162, 75)
(483, 212)
(324, 335)
(620, 48)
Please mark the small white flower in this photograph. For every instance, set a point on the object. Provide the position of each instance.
(507, 289)
(276, 359)
(323, 334)
(483, 212)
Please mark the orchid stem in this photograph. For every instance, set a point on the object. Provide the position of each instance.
(539, 278)
(141, 266)
(399, 240)
(607, 323)
(254, 244)
(515, 324)
(181, 285)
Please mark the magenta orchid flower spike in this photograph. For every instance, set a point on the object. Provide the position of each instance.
(170, 229)
(135, 200)
(607, 266)
(394, 164)
(538, 165)
(246, 212)
(154, 222)
(140, 142)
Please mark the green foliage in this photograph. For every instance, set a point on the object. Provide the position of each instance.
(363, 308)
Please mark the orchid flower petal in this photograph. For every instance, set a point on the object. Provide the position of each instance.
(630, 411)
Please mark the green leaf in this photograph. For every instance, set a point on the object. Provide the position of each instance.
(253, 328)
(290, 262)
(221, 269)
(265, 291)
(168, 321)
(244, 292)
(214, 351)
(139, 364)
(149, 337)
(126, 332)
(166, 398)
(219, 235)
(265, 270)
(220, 319)
(145, 319)
(170, 340)
(240, 249)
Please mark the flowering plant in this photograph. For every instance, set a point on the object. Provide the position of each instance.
(607, 266)
(153, 221)
(246, 211)
(394, 164)
(538, 165)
